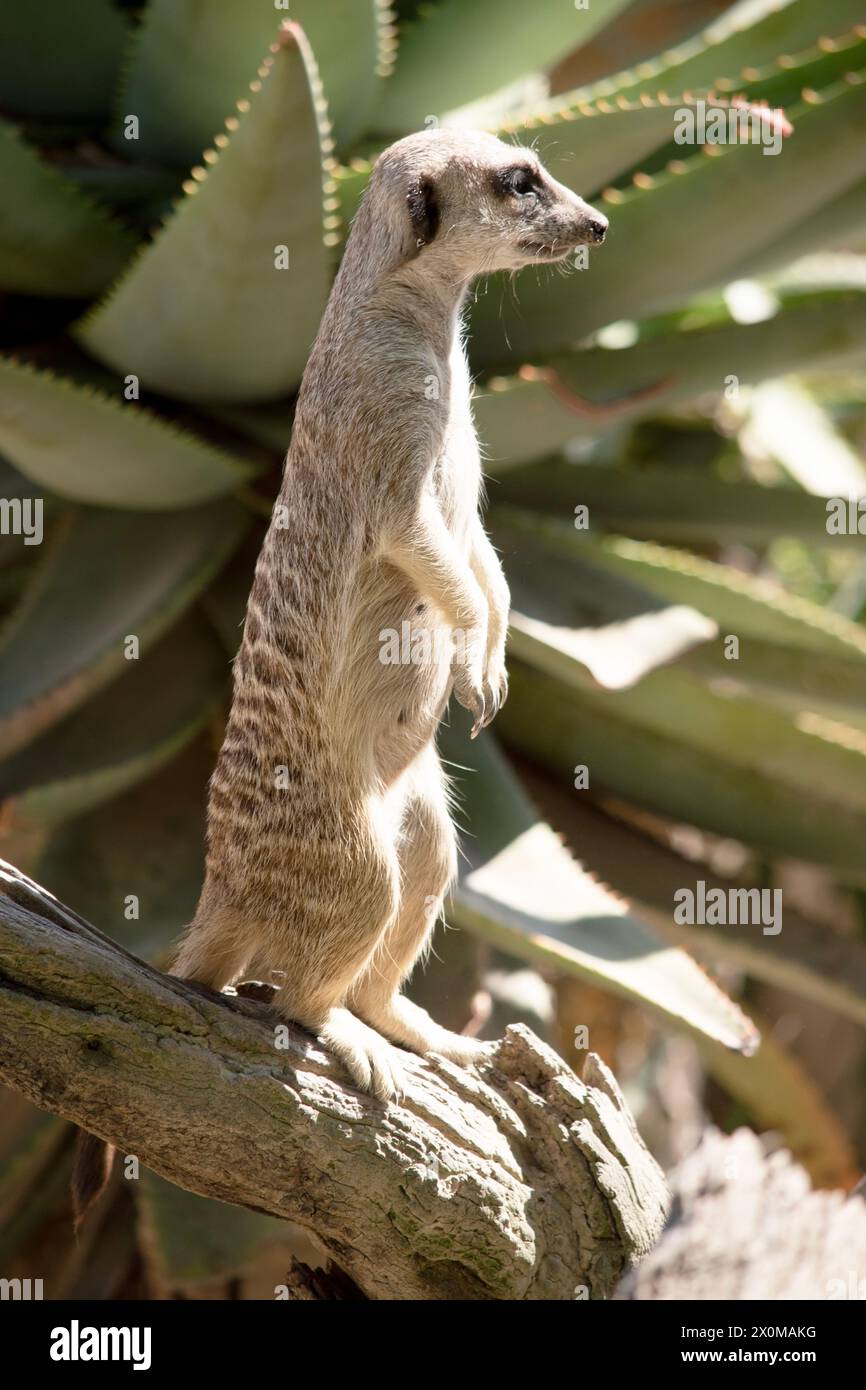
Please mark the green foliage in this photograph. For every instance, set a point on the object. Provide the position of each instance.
(52, 239)
(152, 248)
(207, 310)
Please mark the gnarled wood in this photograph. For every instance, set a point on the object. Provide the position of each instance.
(745, 1225)
(518, 1181)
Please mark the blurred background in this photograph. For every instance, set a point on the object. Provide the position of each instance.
(662, 429)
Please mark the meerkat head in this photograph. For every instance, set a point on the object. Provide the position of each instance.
(466, 200)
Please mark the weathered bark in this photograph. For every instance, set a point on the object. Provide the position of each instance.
(744, 1225)
(518, 1181)
(307, 1285)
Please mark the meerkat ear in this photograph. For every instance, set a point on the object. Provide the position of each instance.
(423, 211)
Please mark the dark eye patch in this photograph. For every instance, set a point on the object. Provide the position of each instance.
(517, 180)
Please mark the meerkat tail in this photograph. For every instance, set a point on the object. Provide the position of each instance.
(91, 1169)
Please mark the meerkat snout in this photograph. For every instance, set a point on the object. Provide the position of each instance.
(553, 221)
(596, 226)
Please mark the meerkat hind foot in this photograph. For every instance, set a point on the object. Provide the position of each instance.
(407, 1023)
(371, 1061)
(463, 1050)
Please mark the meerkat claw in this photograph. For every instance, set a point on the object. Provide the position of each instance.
(478, 706)
(491, 708)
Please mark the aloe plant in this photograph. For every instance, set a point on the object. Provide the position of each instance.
(178, 182)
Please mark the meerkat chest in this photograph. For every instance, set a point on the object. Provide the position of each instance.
(456, 477)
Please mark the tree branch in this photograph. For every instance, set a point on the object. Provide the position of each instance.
(519, 1181)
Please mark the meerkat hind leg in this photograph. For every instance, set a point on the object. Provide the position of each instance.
(213, 951)
(427, 854)
(341, 910)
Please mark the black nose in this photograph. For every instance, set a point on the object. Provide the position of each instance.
(596, 228)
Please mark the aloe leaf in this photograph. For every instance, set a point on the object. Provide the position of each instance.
(269, 425)
(530, 415)
(353, 41)
(106, 576)
(846, 219)
(679, 506)
(742, 604)
(779, 1096)
(53, 239)
(190, 63)
(19, 552)
(791, 652)
(779, 85)
(616, 654)
(13, 578)
(804, 957)
(87, 446)
(146, 845)
(692, 355)
(44, 74)
(121, 736)
(535, 412)
(733, 766)
(685, 245)
(782, 82)
(189, 1242)
(206, 312)
(454, 53)
(619, 627)
(620, 610)
(132, 188)
(225, 602)
(823, 695)
(629, 40)
(706, 721)
(799, 435)
(738, 46)
(737, 602)
(525, 894)
(350, 180)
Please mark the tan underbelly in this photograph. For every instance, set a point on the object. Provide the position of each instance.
(398, 672)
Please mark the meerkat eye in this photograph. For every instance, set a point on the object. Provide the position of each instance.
(519, 180)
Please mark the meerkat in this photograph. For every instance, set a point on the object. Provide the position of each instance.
(330, 842)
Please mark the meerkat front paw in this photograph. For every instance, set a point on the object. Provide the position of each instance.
(372, 1063)
(468, 678)
(495, 686)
